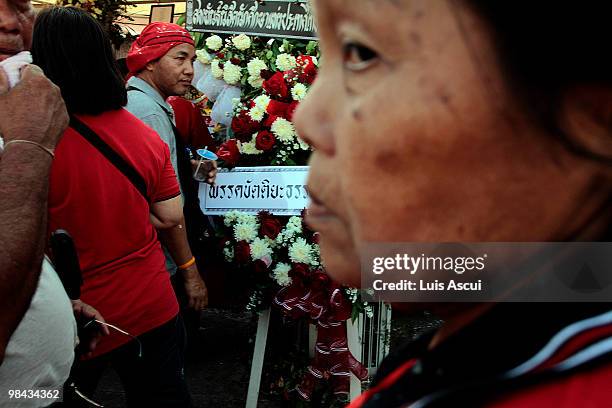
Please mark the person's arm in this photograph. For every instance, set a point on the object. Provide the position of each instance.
(172, 233)
(175, 240)
(32, 111)
(168, 213)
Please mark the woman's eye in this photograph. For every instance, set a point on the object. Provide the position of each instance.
(358, 57)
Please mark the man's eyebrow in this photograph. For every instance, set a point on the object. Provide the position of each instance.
(182, 54)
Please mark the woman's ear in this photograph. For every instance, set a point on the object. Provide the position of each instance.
(585, 116)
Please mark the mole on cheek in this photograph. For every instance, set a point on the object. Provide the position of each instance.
(357, 115)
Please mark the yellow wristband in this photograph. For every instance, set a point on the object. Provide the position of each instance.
(188, 263)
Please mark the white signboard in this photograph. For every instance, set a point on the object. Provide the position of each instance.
(279, 190)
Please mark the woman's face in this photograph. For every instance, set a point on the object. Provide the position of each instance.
(418, 138)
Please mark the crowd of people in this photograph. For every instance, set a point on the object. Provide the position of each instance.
(489, 121)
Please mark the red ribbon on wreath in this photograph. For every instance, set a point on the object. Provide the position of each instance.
(322, 301)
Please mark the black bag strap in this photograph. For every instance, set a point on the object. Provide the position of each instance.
(183, 154)
(116, 160)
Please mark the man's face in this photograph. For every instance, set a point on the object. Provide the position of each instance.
(172, 73)
(16, 21)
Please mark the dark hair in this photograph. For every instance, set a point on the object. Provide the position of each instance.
(547, 46)
(75, 53)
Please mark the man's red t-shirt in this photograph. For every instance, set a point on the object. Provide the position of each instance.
(123, 266)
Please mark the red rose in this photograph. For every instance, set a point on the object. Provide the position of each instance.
(270, 227)
(291, 110)
(265, 140)
(244, 127)
(242, 252)
(220, 55)
(277, 108)
(260, 267)
(229, 153)
(266, 74)
(299, 270)
(276, 85)
(235, 61)
(267, 122)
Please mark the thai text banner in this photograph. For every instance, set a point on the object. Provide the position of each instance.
(280, 190)
(279, 19)
(488, 272)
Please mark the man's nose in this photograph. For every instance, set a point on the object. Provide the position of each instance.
(9, 21)
(189, 68)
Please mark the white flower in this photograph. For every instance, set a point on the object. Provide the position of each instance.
(257, 113)
(246, 218)
(260, 249)
(281, 274)
(214, 42)
(216, 70)
(255, 66)
(229, 254)
(299, 92)
(255, 82)
(300, 251)
(303, 144)
(285, 62)
(231, 73)
(283, 130)
(249, 148)
(262, 101)
(245, 231)
(231, 217)
(203, 56)
(242, 42)
(294, 225)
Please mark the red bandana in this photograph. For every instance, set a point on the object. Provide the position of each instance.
(154, 42)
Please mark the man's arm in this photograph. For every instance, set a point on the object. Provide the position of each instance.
(32, 111)
(175, 240)
(175, 237)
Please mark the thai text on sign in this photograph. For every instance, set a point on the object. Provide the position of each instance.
(279, 190)
(280, 18)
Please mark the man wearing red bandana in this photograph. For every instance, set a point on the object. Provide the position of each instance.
(160, 62)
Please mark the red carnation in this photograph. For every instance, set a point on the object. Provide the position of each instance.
(309, 69)
(244, 127)
(276, 85)
(277, 108)
(229, 153)
(242, 252)
(270, 227)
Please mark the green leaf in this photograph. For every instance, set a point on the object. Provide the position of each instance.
(311, 47)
